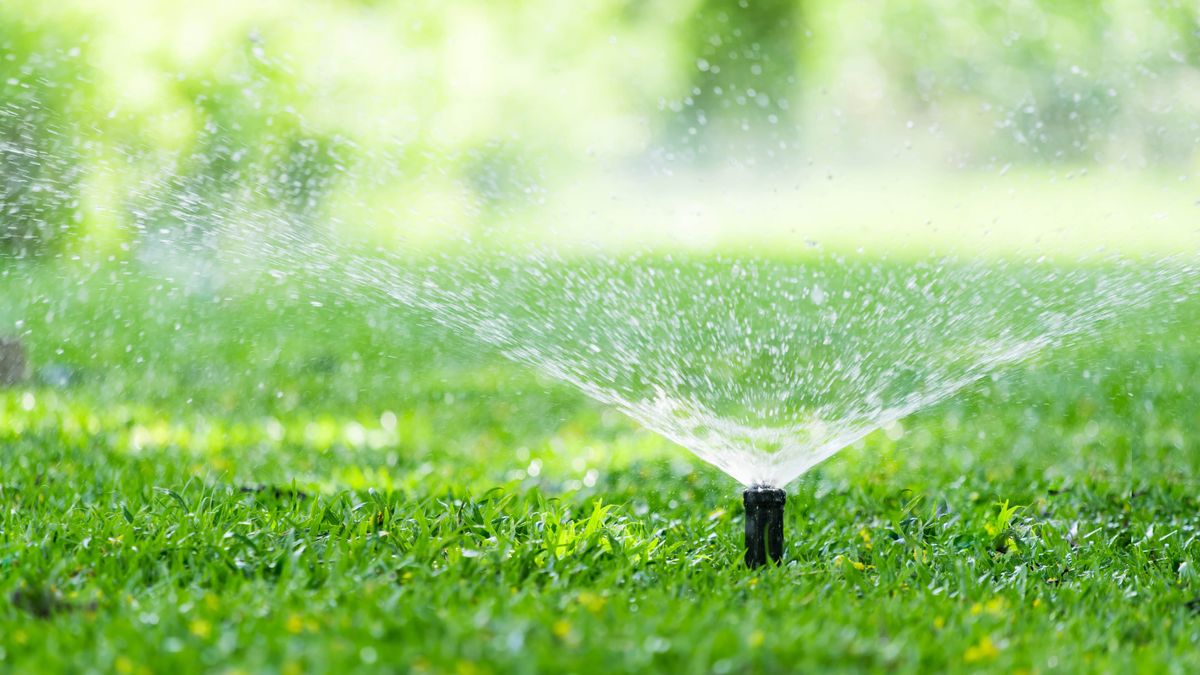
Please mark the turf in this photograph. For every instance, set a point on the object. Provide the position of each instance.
(195, 481)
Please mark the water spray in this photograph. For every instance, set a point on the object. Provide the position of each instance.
(764, 524)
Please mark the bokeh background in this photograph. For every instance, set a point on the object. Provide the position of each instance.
(697, 123)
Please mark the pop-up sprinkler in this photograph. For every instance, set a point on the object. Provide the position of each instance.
(764, 524)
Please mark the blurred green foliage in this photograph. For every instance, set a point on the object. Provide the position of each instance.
(746, 61)
(420, 112)
(41, 133)
(252, 150)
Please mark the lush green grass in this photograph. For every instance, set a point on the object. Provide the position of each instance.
(212, 481)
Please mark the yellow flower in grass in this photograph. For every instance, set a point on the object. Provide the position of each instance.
(837, 562)
(294, 624)
(866, 537)
(995, 607)
(467, 668)
(592, 602)
(200, 628)
(756, 638)
(984, 650)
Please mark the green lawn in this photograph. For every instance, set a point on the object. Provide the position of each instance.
(250, 482)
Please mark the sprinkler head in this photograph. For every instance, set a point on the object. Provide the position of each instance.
(764, 524)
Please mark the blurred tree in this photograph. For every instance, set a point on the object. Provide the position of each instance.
(1036, 73)
(41, 74)
(1168, 116)
(303, 172)
(1183, 20)
(251, 157)
(744, 60)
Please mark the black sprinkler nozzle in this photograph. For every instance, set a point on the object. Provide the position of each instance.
(764, 525)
